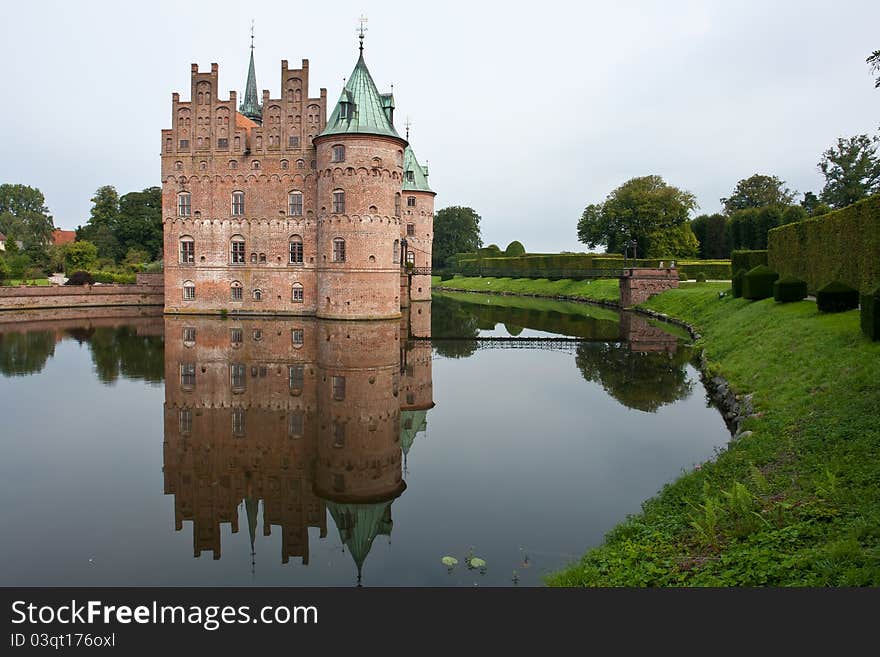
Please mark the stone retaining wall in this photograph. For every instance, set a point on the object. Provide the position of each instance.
(80, 296)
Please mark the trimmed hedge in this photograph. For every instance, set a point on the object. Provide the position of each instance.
(758, 283)
(700, 277)
(789, 289)
(843, 245)
(870, 314)
(111, 277)
(514, 249)
(747, 260)
(837, 297)
(737, 283)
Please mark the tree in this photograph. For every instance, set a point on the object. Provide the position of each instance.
(139, 222)
(676, 242)
(456, 230)
(873, 61)
(758, 191)
(638, 209)
(24, 215)
(80, 256)
(102, 224)
(851, 170)
(813, 206)
(5, 273)
(711, 232)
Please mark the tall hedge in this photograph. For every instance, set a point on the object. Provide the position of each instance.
(842, 245)
(747, 260)
(870, 313)
(758, 283)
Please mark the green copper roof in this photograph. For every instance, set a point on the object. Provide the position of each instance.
(251, 107)
(411, 423)
(417, 181)
(361, 108)
(358, 525)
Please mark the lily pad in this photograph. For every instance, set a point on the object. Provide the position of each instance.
(476, 562)
(449, 562)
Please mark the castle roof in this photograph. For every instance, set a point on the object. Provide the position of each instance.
(361, 108)
(358, 525)
(250, 106)
(417, 181)
(241, 121)
(60, 237)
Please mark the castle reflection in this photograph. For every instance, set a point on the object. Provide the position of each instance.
(305, 415)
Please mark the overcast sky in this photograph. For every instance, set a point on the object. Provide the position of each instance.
(526, 112)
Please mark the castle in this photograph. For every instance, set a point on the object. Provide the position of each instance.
(274, 208)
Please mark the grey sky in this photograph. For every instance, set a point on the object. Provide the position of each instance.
(525, 111)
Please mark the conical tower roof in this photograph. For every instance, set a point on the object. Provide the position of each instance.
(415, 176)
(250, 106)
(361, 108)
(359, 525)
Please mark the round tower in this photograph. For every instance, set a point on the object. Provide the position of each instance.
(417, 227)
(360, 174)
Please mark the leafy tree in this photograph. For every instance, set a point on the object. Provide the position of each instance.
(24, 215)
(19, 264)
(711, 232)
(101, 227)
(456, 230)
(25, 353)
(758, 191)
(136, 257)
(80, 256)
(813, 206)
(5, 272)
(873, 61)
(638, 209)
(675, 242)
(851, 170)
(139, 223)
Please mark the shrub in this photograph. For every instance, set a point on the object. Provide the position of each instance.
(758, 283)
(4, 270)
(682, 276)
(514, 249)
(737, 283)
(789, 289)
(836, 297)
(700, 277)
(747, 259)
(80, 278)
(113, 277)
(870, 313)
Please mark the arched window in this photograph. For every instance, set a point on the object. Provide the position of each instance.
(397, 205)
(296, 250)
(178, 166)
(298, 295)
(338, 250)
(295, 204)
(256, 164)
(338, 154)
(253, 258)
(233, 164)
(410, 201)
(258, 295)
(184, 204)
(285, 164)
(237, 204)
(187, 250)
(300, 164)
(396, 251)
(236, 250)
(189, 290)
(338, 201)
(236, 290)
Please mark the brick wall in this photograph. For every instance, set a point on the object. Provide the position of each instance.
(19, 298)
(640, 284)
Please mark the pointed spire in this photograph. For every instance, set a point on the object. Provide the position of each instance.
(251, 506)
(250, 106)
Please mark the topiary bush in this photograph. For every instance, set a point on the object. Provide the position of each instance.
(80, 278)
(758, 283)
(835, 297)
(700, 277)
(789, 288)
(737, 283)
(515, 248)
(870, 313)
(682, 276)
(742, 259)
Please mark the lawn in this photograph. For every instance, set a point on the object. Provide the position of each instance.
(601, 289)
(34, 281)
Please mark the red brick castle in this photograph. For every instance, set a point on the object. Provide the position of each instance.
(272, 208)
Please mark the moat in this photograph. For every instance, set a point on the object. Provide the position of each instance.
(142, 449)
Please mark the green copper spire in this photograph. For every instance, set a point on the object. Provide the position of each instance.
(361, 108)
(358, 525)
(415, 176)
(251, 107)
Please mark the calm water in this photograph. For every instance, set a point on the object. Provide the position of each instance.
(150, 450)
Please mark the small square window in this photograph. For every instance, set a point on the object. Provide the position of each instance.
(293, 142)
(184, 144)
(223, 142)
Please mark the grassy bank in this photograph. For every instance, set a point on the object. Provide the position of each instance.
(41, 282)
(602, 289)
(796, 502)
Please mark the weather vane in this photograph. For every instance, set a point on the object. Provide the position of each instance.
(361, 30)
(408, 124)
(252, 34)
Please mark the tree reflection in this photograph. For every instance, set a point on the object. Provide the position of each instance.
(25, 353)
(121, 352)
(451, 319)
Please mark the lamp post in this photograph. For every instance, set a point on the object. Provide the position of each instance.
(630, 244)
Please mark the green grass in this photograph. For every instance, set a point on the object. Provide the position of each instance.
(795, 503)
(33, 281)
(602, 289)
(534, 303)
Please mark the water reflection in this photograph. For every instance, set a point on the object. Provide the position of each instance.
(305, 415)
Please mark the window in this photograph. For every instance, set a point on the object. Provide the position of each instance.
(410, 258)
(410, 176)
(178, 166)
(258, 335)
(297, 336)
(297, 374)
(258, 295)
(187, 250)
(233, 164)
(237, 204)
(238, 422)
(295, 424)
(295, 204)
(262, 257)
(410, 230)
(239, 377)
(313, 164)
(338, 154)
(338, 383)
(297, 293)
(184, 204)
(296, 250)
(338, 434)
(410, 201)
(254, 258)
(293, 142)
(338, 250)
(397, 205)
(235, 336)
(188, 375)
(223, 143)
(396, 256)
(338, 201)
(237, 250)
(256, 164)
(189, 291)
(344, 111)
(236, 291)
(184, 421)
(184, 144)
(189, 335)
